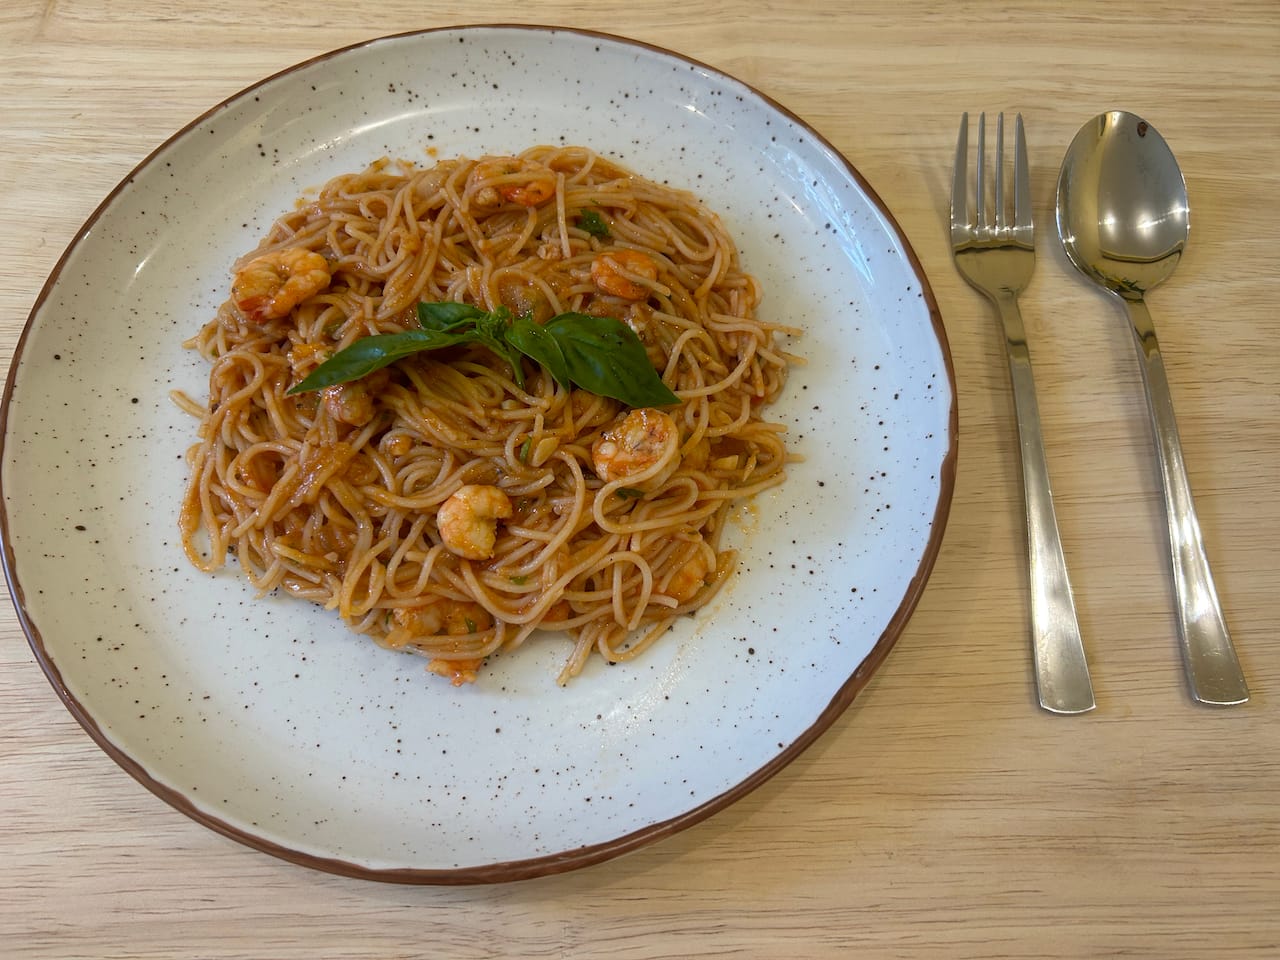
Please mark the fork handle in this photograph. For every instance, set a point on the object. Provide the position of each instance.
(1213, 671)
(1062, 673)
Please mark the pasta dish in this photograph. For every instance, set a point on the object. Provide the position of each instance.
(463, 402)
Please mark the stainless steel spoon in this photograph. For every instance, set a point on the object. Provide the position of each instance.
(1123, 219)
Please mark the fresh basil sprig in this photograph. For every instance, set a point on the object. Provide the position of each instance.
(598, 354)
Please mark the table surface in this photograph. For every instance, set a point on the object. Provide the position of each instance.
(943, 815)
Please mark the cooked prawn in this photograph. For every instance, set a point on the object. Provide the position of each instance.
(457, 672)
(468, 520)
(353, 402)
(443, 616)
(268, 287)
(524, 182)
(305, 357)
(348, 403)
(642, 449)
(619, 272)
(524, 298)
(691, 576)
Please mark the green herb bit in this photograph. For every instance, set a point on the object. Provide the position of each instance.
(629, 493)
(593, 223)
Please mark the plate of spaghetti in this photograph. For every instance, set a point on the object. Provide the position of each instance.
(466, 482)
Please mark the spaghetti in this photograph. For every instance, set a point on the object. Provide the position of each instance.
(456, 501)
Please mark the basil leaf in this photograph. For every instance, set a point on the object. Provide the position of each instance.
(511, 355)
(494, 325)
(446, 316)
(599, 354)
(604, 356)
(536, 343)
(373, 353)
(491, 330)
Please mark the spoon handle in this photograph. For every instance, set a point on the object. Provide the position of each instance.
(1212, 668)
(1062, 673)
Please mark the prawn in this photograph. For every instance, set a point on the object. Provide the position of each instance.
(524, 182)
(441, 616)
(305, 357)
(524, 298)
(353, 403)
(457, 672)
(691, 576)
(268, 287)
(454, 618)
(468, 520)
(619, 272)
(642, 448)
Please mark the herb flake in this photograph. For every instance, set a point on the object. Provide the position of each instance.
(593, 224)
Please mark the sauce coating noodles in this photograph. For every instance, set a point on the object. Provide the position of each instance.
(436, 505)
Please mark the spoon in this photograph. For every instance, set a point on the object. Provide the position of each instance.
(1123, 219)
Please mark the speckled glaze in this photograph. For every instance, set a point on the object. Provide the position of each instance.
(264, 718)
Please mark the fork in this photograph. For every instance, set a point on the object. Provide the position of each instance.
(996, 256)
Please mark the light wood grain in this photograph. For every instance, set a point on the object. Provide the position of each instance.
(943, 815)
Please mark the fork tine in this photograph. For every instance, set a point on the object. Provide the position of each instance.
(999, 195)
(980, 204)
(960, 178)
(1021, 179)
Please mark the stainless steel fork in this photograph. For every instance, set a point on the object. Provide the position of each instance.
(996, 255)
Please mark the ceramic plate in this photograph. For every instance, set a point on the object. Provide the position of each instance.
(264, 718)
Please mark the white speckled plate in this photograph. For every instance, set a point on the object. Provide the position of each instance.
(265, 719)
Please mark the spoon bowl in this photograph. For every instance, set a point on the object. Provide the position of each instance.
(1123, 218)
(1122, 208)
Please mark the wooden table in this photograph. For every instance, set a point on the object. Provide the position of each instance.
(943, 815)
